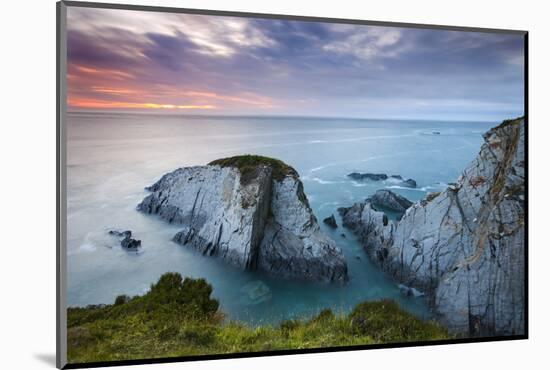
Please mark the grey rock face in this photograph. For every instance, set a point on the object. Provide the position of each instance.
(374, 229)
(389, 200)
(463, 247)
(219, 215)
(261, 223)
(293, 245)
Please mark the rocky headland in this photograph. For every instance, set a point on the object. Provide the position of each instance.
(250, 211)
(463, 247)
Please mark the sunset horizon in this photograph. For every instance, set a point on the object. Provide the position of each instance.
(203, 64)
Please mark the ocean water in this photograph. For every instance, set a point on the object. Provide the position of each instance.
(112, 157)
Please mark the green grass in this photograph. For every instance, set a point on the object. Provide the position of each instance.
(248, 165)
(177, 317)
(509, 122)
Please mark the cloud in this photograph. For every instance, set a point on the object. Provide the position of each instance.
(365, 42)
(215, 36)
(269, 66)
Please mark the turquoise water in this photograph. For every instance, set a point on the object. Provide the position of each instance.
(112, 157)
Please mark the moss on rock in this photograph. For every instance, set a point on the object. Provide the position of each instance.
(248, 164)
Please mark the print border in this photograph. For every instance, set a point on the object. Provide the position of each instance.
(61, 161)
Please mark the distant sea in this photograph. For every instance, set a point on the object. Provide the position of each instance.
(113, 156)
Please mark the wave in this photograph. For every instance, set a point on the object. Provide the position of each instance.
(358, 184)
(87, 247)
(315, 169)
(295, 143)
(422, 189)
(405, 188)
(365, 138)
(321, 181)
(327, 204)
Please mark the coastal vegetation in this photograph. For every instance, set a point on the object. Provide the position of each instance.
(247, 165)
(178, 317)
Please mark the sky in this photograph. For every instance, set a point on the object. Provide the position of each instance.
(198, 64)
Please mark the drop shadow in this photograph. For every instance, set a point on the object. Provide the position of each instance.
(46, 358)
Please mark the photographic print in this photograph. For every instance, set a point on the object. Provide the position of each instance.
(244, 184)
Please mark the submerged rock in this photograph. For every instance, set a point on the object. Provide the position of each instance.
(127, 241)
(250, 211)
(256, 292)
(389, 200)
(464, 247)
(130, 243)
(121, 234)
(331, 221)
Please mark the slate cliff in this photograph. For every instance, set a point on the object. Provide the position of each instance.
(463, 247)
(250, 211)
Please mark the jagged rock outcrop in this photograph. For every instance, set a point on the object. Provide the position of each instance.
(463, 247)
(372, 227)
(126, 240)
(389, 200)
(251, 212)
(331, 221)
(409, 183)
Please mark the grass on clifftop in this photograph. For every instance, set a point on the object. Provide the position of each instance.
(508, 122)
(247, 164)
(177, 317)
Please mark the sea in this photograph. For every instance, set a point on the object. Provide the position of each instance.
(112, 157)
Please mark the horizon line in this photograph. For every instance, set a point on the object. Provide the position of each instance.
(179, 113)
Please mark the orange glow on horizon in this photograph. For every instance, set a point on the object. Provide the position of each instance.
(100, 104)
(104, 88)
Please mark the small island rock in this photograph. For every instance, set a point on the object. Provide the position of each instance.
(368, 176)
(127, 241)
(331, 221)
